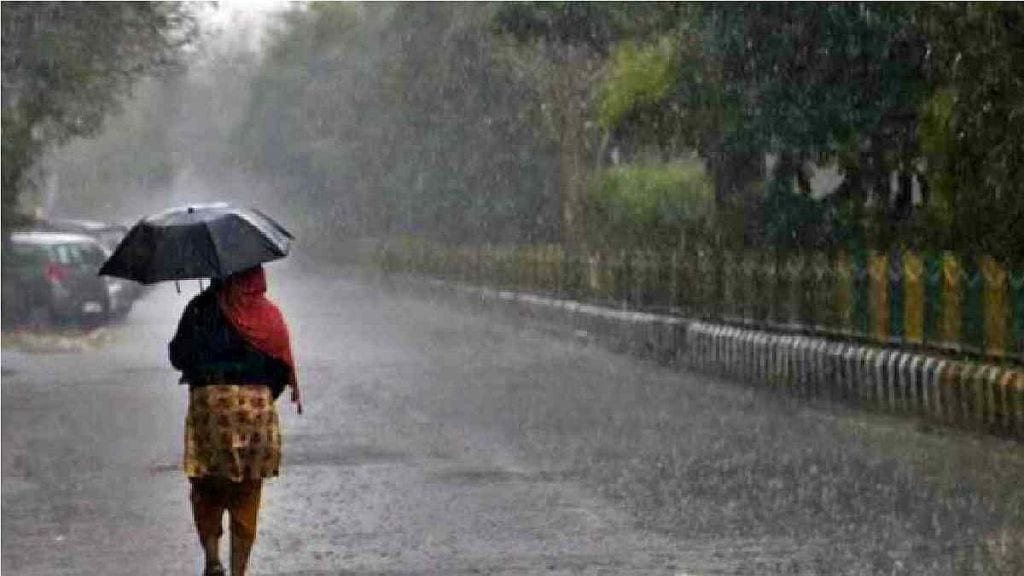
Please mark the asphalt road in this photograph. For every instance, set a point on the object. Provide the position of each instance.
(443, 441)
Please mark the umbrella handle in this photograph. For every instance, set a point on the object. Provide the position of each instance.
(177, 286)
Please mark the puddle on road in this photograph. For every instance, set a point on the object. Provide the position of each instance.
(57, 341)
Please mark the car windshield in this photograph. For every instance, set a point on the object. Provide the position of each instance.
(67, 253)
(92, 255)
(22, 252)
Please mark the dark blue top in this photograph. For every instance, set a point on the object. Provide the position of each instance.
(208, 350)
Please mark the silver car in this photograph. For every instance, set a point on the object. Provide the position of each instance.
(51, 276)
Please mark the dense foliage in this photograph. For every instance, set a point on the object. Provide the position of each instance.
(974, 145)
(819, 125)
(402, 119)
(66, 66)
(649, 206)
(917, 108)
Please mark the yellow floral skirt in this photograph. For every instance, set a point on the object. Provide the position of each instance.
(232, 431)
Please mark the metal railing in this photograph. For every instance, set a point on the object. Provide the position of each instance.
(935, 301)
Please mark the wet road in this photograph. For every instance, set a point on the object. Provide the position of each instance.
(439, 441)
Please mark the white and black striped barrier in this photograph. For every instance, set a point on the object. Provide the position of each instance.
(958, 392)
(965, 393)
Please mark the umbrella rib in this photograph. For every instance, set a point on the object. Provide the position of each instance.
(216, 249)
(274, 223)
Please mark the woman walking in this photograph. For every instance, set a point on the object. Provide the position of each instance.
(233, 350)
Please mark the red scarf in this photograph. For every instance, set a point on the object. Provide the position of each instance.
(243, 301)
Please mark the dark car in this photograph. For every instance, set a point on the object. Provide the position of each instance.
(52, 276)
(109, 235)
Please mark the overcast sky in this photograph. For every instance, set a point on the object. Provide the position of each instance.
(233, 17)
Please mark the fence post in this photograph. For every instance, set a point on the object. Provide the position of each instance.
(705, 278)
(997, 313)
(636, 279)
(636, 283)
(803, 303)
(717, 266)
(933, 275)
(686, 281)
(1017, 298)
(557, 271)
(844, 293)
(914, 298)
(663, 288)
(861, 299)
(878, 275)
(617, 275)
(951, 298)
(772, 287)
(673, 297)
(896, 297)
(825, 281)
(482, 278)
(973, 335)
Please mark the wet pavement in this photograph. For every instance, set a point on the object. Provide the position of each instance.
(444, 441)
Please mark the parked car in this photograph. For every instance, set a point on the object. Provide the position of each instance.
(109, 235)
(106, 233)
(52, 276)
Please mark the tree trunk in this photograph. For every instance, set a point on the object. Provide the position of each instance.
(573, 177)
(572, 93)
(737, 201)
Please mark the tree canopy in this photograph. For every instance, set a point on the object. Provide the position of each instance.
(67, 65)
(918, 107)
(401, 119)
(526, 122)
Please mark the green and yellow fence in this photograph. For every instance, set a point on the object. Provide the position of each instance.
(904, 299)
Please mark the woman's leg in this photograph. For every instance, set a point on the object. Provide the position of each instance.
(243, 510)
(208, 505)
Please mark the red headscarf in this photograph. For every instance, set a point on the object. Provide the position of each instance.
(243, 301)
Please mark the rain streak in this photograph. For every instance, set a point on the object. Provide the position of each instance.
(511, 288)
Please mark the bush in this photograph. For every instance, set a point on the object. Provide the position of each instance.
(648, 206)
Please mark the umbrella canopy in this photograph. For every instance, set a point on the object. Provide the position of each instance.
(201, 241)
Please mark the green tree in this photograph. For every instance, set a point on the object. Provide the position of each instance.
(973, 128)
(393, 119)
(169, 143)
(803, 83)
(648, 205)
(563, 48)
(827, 83)
(915, 105)
(66, 66)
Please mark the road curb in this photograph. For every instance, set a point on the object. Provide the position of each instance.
(961, 393)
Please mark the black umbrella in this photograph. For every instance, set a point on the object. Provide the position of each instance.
(202, 241)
